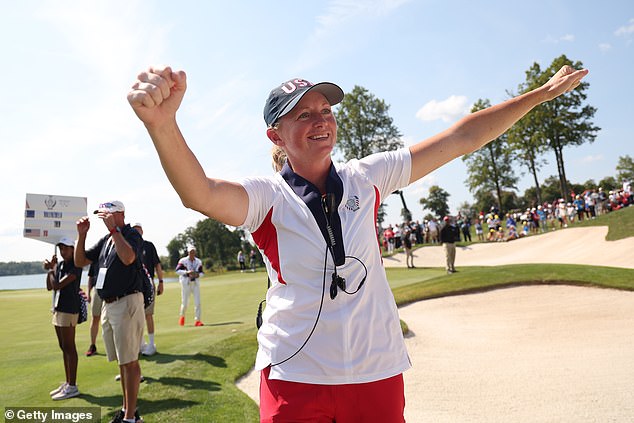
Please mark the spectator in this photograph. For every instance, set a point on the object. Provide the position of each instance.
(580, 207)
(95, 307)
(388, 234)
(189, 270)
(152, 263)
(119, 285)
(64, 278)
(241, 261)
(449, 234)
(407, 246)
(434, 231)
(252, 260)
(479, 230)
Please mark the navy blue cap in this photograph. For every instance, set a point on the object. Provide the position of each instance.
(285, 97)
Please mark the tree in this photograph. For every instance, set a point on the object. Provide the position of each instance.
(467, 210)
(364, 126)
(20, 268)
(216, 242)
(564, 121)
(489, 168)
(380, 214)
(625, 169)
(176, 249)
(405, 213)
(526, 146)
(550, 190)
(608, 183)
(436, 201)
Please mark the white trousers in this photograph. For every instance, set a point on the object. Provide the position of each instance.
(192, 287)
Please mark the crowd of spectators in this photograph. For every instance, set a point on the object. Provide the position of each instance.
(491, 227)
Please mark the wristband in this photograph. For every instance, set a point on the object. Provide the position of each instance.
(115, 229)
(160, 280)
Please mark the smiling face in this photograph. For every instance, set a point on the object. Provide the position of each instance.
(66, 252)
(308, 132)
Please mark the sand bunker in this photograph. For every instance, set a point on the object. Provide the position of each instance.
(524, 354)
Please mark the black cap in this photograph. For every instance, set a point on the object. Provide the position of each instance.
(285, 97)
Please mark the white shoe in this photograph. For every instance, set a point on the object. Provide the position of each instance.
(59, 389)
(142, 347)
(69, 391)
(150, 349)
(118, 378)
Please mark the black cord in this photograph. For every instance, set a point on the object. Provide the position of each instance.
(321, 304)
(365, 269)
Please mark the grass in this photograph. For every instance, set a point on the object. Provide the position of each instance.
(478, 279)
(192, 378)
(620, 223)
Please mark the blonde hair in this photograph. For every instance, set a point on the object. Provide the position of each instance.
(279, 157)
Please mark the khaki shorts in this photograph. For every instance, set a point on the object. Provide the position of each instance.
(122, 322)
(64, 320)
(95, 303)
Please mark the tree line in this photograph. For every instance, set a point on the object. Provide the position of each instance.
(21, 268)
(365, 127)
(548, 129)
(216, 245)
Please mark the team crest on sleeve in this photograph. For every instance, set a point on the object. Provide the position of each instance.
(352, 203)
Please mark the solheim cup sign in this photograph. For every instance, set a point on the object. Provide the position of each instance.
(48, 218)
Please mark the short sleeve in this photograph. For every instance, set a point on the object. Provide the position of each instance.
(261, 193)
(388, 171)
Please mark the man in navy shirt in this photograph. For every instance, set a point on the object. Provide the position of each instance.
(119, 286)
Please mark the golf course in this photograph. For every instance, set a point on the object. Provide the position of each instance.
(547, 281)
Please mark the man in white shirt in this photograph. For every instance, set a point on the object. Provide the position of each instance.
(189, 270)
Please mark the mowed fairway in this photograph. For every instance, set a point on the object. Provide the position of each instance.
(190, 379)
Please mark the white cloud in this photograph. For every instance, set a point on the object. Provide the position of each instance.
(421, 187)
(556, 40)
(591, 159)
(604, 47)
(625, 30)
(447, 110)
(341, 11)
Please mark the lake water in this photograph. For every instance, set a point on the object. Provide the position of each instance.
(39, 281)
(25, 281)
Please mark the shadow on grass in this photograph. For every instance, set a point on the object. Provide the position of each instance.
(161, 358)
(187, 383)
(111, 404)
(223, 324)
(105, 401)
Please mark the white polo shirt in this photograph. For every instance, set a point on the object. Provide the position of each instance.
(358, 337)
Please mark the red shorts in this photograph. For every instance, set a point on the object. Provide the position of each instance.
(381, 401)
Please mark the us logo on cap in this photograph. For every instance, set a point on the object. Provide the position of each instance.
(285, 97)
(292, 85)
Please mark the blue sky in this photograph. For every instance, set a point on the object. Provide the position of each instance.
(67, 128)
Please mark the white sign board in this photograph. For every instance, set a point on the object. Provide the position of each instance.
(48, 218)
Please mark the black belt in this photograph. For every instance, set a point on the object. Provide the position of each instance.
(109, 300)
